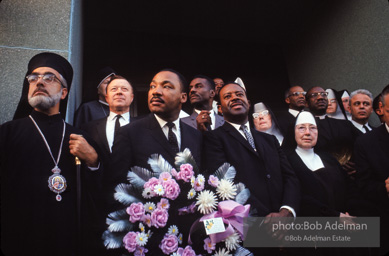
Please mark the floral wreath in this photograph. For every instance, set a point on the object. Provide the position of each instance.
(151, 198)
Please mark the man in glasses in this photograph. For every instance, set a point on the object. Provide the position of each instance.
(39, 182)
(336, 136)
(295, 98)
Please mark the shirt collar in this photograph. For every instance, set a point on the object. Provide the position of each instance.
(162, 122)
(125, 116)
(294, 112)
(237, 126)
(387, 127)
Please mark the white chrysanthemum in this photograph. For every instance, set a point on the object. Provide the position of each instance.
(173, 230)
(141, 239)
(226, 189)
(180, 238)
(149, 207)
(192, 181)
(232, 241)
(206, 202)
(222, 252)
(158, 189)
(147, 193)
(175, 254)
(191, 193)
(201, 179)
(141, 227)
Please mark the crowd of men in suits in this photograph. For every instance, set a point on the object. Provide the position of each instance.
(223, 132)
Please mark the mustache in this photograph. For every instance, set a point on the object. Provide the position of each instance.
(156, 98)
(40, 90)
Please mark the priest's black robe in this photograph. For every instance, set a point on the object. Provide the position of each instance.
(33, 222)
(90, 111)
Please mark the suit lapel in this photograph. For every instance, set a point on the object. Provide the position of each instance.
(219, 120)
(102, 132)
(238, 136)
(383, 138)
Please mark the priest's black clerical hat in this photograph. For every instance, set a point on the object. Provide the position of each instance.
(45, 59)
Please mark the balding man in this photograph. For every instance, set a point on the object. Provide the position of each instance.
(361, 107)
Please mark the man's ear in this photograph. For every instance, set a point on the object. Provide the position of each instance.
(64, 93)
(287, 100)
(212, 93)
(184, 97)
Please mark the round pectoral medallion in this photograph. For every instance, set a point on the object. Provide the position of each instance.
(57, 184)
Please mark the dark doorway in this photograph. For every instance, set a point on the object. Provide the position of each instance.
(223, 39)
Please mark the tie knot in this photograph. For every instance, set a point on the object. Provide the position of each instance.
(170, 125)
(118, 117)
(243, 127)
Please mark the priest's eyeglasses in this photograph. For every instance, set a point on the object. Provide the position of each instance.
(260, 114)
(316, 94)
(296, 94)
(47, 78)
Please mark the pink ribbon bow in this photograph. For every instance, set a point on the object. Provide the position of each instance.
(233, 215)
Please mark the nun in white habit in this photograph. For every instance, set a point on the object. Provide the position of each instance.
(325, 186)
(265, 121)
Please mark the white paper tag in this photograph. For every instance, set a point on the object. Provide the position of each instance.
(213, 226)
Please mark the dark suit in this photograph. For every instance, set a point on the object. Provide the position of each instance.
(137, 141)
(286, 121)
(267, 172)
(371, 154)
(90, 111)
(191, 120)
(97, 130)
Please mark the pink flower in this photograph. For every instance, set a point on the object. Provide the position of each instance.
(208, 245)
(186, 172)
(136, 211)
(147, 219)
(172, 189)
(159, 218)
(213, 181)
(164, 176)
(163, 204)
(140, 251)
(187, 209)
(129, 241)
(180, 251)
(188, 251)
(151, 183)
(174, 173)
(198, 186)
(169, 244)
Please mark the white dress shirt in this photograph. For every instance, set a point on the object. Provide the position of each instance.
(176, 129)
(294, 112)
(110, 126)
(360, 126)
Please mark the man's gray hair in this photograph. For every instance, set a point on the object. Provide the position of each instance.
(361, 91)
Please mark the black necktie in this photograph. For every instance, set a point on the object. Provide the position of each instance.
(172, 137)
(366, 129)
(117, 125)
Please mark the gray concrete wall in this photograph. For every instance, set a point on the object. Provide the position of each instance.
(26, 29)
(346, 48)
